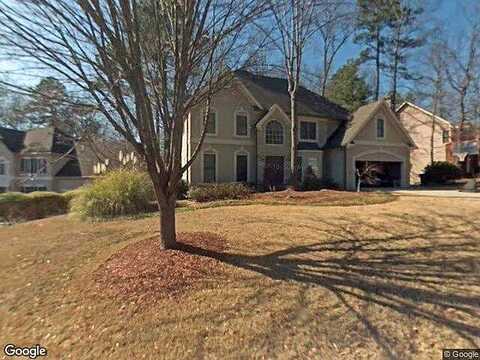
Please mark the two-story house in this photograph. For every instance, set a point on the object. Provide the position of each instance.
(430, 133)
(46, 159)
(248, 137)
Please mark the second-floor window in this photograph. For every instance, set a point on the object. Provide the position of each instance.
(380, 128)
(33, 166)
(211, 127)
(3, 167)
(445, 136)
(274, 133)
(241, 124)
(308, 131)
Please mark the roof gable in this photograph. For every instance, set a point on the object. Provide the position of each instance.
(346, 133)
(442, 122)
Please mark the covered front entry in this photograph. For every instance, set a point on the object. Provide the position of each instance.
(274, 171)
(383, 173)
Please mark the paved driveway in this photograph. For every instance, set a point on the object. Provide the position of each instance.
(437, 193)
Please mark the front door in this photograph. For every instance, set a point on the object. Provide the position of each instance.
(274, 171)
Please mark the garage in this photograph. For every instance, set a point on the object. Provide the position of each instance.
(382, 173)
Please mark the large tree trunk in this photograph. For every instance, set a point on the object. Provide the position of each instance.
(168, 238)
(293, 147)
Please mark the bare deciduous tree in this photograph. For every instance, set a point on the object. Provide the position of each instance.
(294, 25)
(335, 24)
(143, 64)
(462, 70)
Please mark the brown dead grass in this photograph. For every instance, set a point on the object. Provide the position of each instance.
(143, 272)
(399, 280)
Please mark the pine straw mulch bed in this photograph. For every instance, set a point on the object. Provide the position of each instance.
(143, 272)
(323, 198)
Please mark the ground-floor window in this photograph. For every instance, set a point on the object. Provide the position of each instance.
(242, 167)
(29, 189)
(3, 189)
(209, 167)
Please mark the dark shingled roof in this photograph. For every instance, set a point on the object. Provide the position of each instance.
(71, 168)
(270, 90)
(13, 139)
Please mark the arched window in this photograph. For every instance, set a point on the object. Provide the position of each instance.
(274, 133)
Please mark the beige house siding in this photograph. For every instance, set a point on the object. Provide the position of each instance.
(419, 125)
(62, 184)
(264, 149)
(334, 166)
(6, 180)
(393, 134)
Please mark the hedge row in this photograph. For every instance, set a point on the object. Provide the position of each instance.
(15, 207)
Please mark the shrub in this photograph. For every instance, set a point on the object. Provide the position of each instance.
(182, 190)
(312, 183)
(213, 192)
(15, 207)
(118, 193)
(441, 172)
(71, 194)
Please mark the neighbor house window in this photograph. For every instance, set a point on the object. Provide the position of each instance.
(380, 128)
(308, 130)
(211, 127)
(241, 124)
(3, 167)
(209, 167)
(241, 162)
(33, 166)
(274, 133)
(445, 136)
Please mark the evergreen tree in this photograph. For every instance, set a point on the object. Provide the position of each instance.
(347, 88)
(403, 35)
(372, 20)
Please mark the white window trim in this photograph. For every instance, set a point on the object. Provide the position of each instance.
(241, 111)
(38, 174)
(265, 135)
(214, 152)
(384, 129)
(241, 152)
(213, 111)
(316, 131)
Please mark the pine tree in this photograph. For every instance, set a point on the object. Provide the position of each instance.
(347, 88)
(403, 35)
(372, 20)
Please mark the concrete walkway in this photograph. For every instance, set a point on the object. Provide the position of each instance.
(437, 193)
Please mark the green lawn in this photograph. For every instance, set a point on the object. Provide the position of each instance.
(386, 281)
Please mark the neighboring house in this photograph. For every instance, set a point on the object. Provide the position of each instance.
(248, 137)
(419, 124)
(466, 148)
(44, 159)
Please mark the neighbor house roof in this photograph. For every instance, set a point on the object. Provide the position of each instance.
(46, 139)
(346, 132)
(13, 139)
(268, 91)
(441, 120)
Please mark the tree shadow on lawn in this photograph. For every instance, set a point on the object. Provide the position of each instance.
(419, 266)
